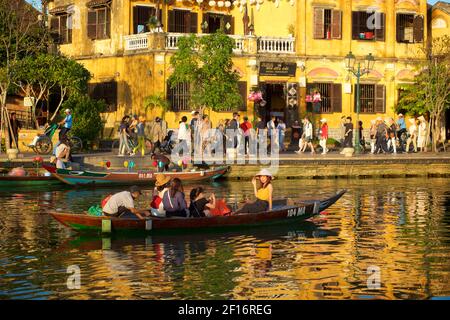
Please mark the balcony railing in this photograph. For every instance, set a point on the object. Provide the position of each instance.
(136, 42)
(276, 45)
(265, 44)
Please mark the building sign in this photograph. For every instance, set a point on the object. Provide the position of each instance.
(277, 69)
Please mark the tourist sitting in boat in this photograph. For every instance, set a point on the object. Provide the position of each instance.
(161, 187)
(62, 153)
(162, 162)
(263, 194)
(200, 206)
(122, 205)
(173, 200)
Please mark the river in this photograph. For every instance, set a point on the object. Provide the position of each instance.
(385, 239)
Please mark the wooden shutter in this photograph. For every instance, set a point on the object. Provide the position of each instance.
(108, 22)
(227, 19)
(243, 92)
(418, 28)
(336, 97)
(355, 25)
(92, 24)
(135, 19)
(171, 21)
(54, 29)
(380, 98)
(379, 33)
(194, 22)
(399, 30)
(186, 26)
(336, 24)
(319, 23)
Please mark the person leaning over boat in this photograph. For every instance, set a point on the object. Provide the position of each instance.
(263, 194)
(200, 205)
(174, 201)
(121, 205)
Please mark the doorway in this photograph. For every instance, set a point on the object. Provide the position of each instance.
(275, 96)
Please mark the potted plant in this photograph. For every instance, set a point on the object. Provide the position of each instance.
(291, 30)
(153, 23)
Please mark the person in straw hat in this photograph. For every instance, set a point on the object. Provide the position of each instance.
(413, 132)
(324, 135)
(262, 187)
(140, 133)
(422, 136)
(161, 187)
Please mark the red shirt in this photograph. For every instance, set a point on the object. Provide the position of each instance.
(325, 131)
(245, 126)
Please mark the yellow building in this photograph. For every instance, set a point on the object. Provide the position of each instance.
(296, 46)
(440, 19)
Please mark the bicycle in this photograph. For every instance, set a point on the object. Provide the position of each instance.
(44, 144)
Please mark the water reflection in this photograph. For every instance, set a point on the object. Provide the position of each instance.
(401, 226)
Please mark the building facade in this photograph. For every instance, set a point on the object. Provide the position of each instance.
(284, 48)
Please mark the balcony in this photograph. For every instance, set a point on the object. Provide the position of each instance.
(271, 45)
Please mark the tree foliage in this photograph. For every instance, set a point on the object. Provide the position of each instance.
(430, 92)
(156, 101)
(87, 122)
(205, 63)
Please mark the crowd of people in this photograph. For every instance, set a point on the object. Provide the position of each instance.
(169, 200)
(195, 134)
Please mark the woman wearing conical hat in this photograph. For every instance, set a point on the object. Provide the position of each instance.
(263, 193)
(423, 131)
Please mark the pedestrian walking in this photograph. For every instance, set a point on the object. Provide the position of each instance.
(183, 136)
(373, 135)
(391, 131)
(140, 132)
(348, 135)
(324, 136)
(124, 146)
(246, 127)
(412, 135)
(422, 134)
(281, 128)
(13, 131)
(381, 137)
(308, 136)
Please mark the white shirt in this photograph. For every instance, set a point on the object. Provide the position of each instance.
(123, 199)
(183, 133)
(308, 129)
(413, 131)
(59, 150)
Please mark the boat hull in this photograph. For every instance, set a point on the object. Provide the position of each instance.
(284, 214)
(8, 181)
(130, 178)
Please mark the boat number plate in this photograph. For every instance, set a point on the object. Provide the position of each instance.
(148, 225)
(296, 212)
(145, 175)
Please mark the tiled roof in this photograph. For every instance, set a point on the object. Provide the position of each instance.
(443, 6)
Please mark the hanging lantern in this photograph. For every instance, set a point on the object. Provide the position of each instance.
(243, 2)
(199, 1)
(212, 3)
(260, 1)
(220, 4)
(277, 3)
(292, 2)
(227, 4)
(252, 2)
(258, 6)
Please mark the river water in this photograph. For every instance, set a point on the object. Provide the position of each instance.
(387, 239)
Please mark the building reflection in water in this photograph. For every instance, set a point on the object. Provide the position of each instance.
(401, 226)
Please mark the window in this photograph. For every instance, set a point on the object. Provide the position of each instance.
(106, 91)
(368, 26)
(327, 24)
(141, 17)
(372, 97)
(61, 28)
(99, 23)
(213, 22)
(409, 28)
(179, 96)
(182, 21)
(331, 95)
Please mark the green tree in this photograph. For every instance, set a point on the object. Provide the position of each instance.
(21, 35)
(71, 78)
(87, 122)
(35, 76)
(156, 101)
(430, 92)
(205, 63)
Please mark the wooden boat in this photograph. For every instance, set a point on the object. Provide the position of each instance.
(284, 211)
(32, 180)
(73, 177)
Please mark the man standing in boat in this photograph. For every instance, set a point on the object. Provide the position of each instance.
(122, 205)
